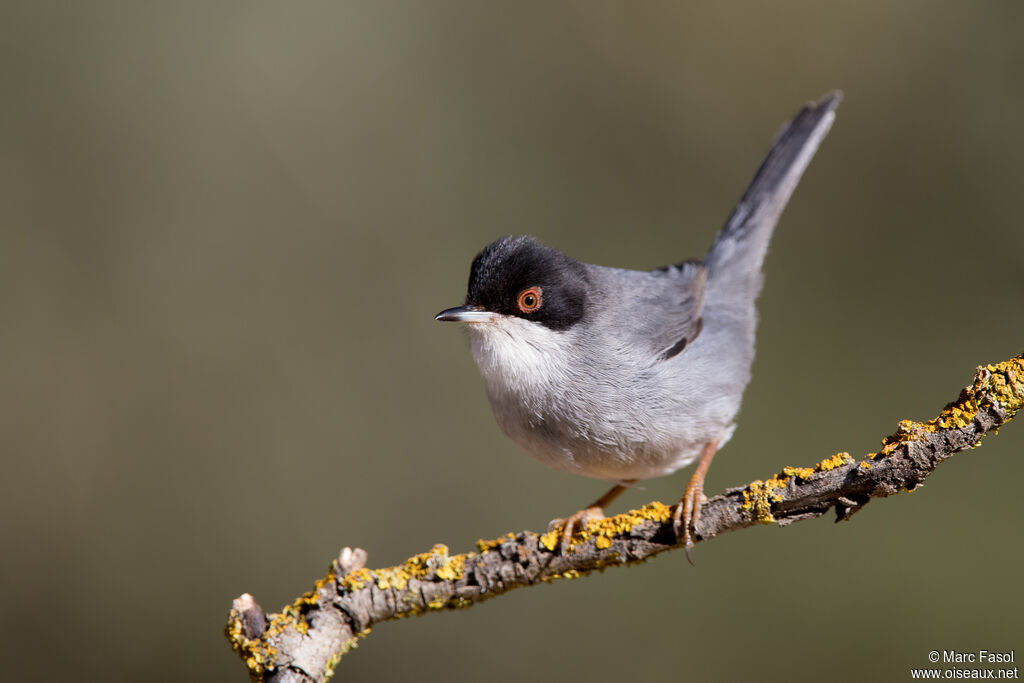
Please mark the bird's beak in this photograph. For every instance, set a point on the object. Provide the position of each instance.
(465, 314)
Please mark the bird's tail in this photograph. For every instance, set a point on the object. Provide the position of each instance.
(734, 261)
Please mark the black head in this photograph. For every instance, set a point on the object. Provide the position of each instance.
(520, 276)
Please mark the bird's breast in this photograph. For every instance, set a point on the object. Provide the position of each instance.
(579, 410)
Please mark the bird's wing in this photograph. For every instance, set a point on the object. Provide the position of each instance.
(677, 294)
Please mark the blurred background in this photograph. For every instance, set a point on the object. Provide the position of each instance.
(225, 229)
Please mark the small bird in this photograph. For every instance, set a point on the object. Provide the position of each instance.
(622, 374)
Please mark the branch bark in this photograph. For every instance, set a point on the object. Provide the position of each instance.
(305, 641)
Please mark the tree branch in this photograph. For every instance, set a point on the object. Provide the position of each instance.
(305, 641)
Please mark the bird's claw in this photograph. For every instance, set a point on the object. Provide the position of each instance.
(573, 522)
(686, 516)
(687, 513)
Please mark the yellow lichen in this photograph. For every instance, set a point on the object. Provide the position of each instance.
(550, 539)
(568, 574)
(484, 546)
(259, 654)
(609, 560)
(355, 580)
(1000, 383)
(256, 653)
(759, 496)
(452, 567)
(391, 577)
(836, 461)
(436, 562)
(798, 472)
(1006, 384)
(603, 529)
(310, 597)
(333, 660)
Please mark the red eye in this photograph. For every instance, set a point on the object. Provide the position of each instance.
(529, 300)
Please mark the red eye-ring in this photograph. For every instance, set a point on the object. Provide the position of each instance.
(529, 300)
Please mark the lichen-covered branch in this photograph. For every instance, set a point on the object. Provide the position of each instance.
(305, 641)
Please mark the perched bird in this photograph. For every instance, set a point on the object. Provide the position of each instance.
(622, 374)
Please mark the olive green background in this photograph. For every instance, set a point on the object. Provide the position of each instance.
(225, 229)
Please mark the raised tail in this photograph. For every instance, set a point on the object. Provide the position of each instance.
(734, 260)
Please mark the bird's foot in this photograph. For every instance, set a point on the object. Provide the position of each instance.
(687, 514)
(572, 523)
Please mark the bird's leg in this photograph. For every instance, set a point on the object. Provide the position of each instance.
(593, 511)
(687, 514)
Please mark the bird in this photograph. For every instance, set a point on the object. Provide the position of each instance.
(624, 375)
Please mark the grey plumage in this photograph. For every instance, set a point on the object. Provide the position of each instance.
(623, 374)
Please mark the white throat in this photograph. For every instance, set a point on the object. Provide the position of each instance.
(519, 356)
